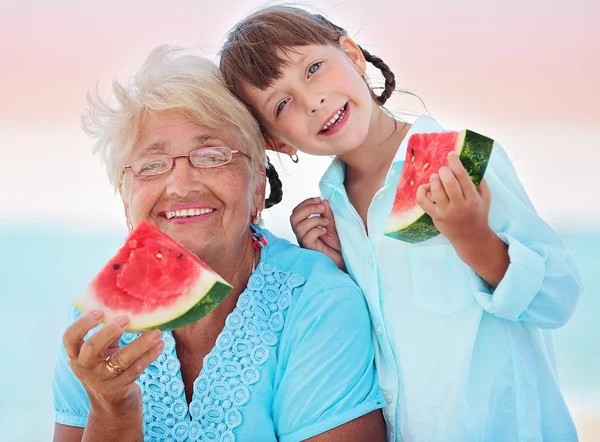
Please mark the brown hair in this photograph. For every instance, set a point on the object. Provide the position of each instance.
(250, 52)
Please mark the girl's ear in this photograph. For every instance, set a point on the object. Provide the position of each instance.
(355, 53)
(276, 145)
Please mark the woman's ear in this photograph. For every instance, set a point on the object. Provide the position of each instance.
(355, 53)
(276, 145)
(260, 189)
(127, 218)
(122, 192)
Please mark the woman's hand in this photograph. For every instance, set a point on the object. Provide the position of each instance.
(111, 393)
(317, 232)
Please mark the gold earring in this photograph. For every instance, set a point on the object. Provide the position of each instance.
(294, 158)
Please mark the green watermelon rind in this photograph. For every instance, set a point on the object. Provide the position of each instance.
(211, 300)
(201, 298)
(474, 151)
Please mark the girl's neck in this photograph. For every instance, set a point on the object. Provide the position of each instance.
(377, 152)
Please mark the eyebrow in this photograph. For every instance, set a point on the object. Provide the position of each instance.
(201, 139)
(161, 145)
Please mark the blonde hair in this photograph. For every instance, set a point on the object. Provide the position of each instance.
(171, 78)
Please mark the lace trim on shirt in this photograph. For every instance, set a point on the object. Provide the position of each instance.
(230, 369)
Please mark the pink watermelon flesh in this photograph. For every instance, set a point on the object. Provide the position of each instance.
(425, 155)
(153, 273)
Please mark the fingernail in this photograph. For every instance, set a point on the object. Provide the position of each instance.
(434, 177)
(160, 345)
(317, 200)
(122, 321)
(155, 334)
(451, 154)
(325, 220)
(96, 315)
(320, 206)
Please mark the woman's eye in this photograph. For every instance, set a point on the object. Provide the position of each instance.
(314, 68)
(280, 107)
(152, 166)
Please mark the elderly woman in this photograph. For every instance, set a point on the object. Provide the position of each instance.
(177, 139)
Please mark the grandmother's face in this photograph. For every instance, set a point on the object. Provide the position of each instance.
(222, 198)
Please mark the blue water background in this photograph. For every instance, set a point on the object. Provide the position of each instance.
(42, 270)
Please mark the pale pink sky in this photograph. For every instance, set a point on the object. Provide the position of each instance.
(527, 74)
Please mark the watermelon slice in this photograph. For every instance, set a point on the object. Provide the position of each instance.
(425, 155)
(155, 282)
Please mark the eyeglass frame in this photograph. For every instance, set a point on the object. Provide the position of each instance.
(174, 157)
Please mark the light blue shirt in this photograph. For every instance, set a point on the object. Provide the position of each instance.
(294, 360)
(456, 360)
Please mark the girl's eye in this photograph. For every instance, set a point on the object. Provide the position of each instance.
(314, 68)
(280, 107)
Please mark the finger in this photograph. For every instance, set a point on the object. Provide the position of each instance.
(327, 212)
(140, 364)
(484, 192)
(309, 224)
(307, 202)
(310, 239)
(423, 200)
(74, 334)
(112, 348)
(451, 186)
(464, 180)
(127, 355)
(96, 346)
(304, 210)
(438, 193)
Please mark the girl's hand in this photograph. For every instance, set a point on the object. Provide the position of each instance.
(317, 232)
(110, 393)
(459, 211)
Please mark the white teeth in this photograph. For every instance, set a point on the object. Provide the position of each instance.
(337, 116)
(187, 212)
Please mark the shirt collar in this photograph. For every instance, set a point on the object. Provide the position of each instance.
(333, 178)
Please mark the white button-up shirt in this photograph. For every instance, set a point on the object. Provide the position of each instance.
(458, 361)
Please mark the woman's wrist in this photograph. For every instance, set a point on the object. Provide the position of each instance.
(106, 421)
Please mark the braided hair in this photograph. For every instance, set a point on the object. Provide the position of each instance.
(390, 79)
(276, 193)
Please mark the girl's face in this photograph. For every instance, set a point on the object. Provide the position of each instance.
(321, 105)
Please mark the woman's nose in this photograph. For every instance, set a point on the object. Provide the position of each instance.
(182, 179)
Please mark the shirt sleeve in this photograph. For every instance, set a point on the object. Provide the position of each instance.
(327, 375)
(542, 285)
(71, 402)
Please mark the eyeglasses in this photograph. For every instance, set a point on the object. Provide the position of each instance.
(203, 158)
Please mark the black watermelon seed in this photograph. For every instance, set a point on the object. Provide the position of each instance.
(180, 255)
(116, 266)
(412, 151)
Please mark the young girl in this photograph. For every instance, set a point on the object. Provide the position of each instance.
(461, 320)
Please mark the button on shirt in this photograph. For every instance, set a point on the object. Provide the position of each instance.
(457, 360)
